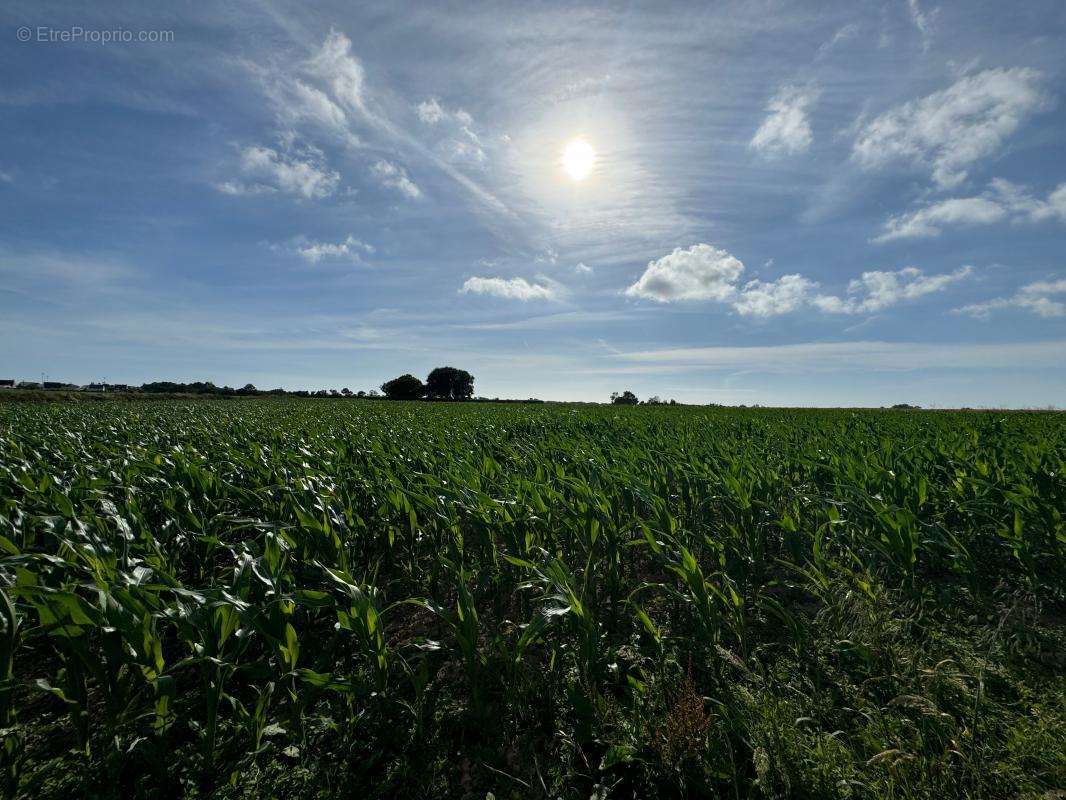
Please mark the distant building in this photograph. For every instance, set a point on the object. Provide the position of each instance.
(7, 383)
(95, 387)
(118, 387)
(56, 385)
(29, 385)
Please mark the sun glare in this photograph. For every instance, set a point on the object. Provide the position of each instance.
(578, 159)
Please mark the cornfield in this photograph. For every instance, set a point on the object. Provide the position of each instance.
(345, 598)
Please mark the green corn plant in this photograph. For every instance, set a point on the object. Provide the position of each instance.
(68, 621)
(357, 612)
(465, 628)
(563, 599)
(9, 740)
(212, 627)
(254, 717)
(716, 606)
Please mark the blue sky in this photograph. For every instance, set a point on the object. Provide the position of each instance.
(855, 203)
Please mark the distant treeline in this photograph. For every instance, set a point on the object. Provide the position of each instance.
(206, 387)
(249, 390)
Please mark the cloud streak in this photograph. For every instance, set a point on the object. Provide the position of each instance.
(512, 289)
(846, 356)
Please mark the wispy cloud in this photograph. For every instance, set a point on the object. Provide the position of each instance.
(348, 249)
(842, 34)
(455, 130)
(1003, 200)
(395, 177)
(328, 92)
(333, 63)
(924, 21)
(550, 321)
(65, 279)
(1037, 298)
(951, 130)
(787, 127)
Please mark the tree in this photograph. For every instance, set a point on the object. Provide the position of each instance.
(406, 387)
(450, 383)
(626, 398)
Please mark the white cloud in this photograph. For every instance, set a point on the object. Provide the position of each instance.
(704, 272)
(430, 111)
(6, 177)
(877, 290)
(1034, 297)
(513, 289)
(350, 248)
(787, 128)
(954, 128)
(768, 299)
(928, 221)
(701, 272)
(395, 177)
(1003, 200)
(924, 21)
(583, 269)
(303, 174)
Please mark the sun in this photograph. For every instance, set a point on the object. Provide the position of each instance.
(578, 159)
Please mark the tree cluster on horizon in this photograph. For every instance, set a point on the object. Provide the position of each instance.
(627, 398)
(443, 383)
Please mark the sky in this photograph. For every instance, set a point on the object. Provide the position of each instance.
(776, 203)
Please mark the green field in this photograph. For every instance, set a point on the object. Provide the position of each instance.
(336, 598)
